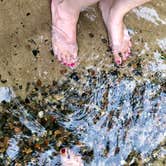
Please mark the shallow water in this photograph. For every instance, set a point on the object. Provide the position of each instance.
(114, 116)
(110, 120)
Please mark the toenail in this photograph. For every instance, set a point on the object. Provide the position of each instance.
(72, 64)
(64, 63)
(63, 150)
(118, 62)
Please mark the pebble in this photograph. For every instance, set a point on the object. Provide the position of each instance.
(41, 114)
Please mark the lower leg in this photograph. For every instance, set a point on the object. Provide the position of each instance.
(81, 3)
(126, 5)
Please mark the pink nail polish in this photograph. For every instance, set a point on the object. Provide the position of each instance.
(118, 62)
(62, 63)
(72, 64)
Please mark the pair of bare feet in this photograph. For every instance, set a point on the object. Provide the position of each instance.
(65, 14)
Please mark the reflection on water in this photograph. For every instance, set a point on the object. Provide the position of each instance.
(108, 118)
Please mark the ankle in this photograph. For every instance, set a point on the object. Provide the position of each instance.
(71, 6)
(115, 17)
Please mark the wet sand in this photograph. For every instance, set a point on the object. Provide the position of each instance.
(26, 44)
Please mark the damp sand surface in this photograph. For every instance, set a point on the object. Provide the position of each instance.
(109, 115)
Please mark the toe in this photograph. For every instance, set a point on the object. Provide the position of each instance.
(62, 57)
(117, 59)
(125, 56)
(59, 56)
(69, 60)
(116, 52)
(130, 44)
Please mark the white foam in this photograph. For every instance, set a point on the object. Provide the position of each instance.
(149, 14)
(5, 94)
(162, 44)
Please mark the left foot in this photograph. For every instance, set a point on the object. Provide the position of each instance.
(117, 32)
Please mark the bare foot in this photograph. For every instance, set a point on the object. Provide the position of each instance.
(117, 32)
(68, 158)
(64, 20)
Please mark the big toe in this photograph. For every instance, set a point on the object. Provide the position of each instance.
(125, 51)
(117, 59)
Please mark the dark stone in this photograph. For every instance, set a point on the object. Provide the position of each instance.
(4, 81)
(35, 52)
(114, 73)
(28, 14)
(117, 150)
(27, 101)
(74, 76)
(91, 35)
(20, 86)
(39, 83)
(137, 72)
(52, 52)
(104, 40)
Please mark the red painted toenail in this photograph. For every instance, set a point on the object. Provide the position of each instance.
(69, 65)
(118, 62)
(72, 64)
(63, 150)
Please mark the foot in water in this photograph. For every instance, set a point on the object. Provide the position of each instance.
(64, 21)
(117, 32)
(65, 14)
(68, 158)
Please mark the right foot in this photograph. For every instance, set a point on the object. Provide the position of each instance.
(117, 31)
(68, 158)
(64, 21)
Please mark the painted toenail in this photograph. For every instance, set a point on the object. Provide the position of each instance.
(118, 62)
(63, 150)
(72, 64)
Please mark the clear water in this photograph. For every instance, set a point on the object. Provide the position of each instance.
(111, 116)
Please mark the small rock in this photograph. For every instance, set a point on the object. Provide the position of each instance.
(41, 114)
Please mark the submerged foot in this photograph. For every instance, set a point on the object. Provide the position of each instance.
(117, 32)
(64, 20)
(68, 158)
